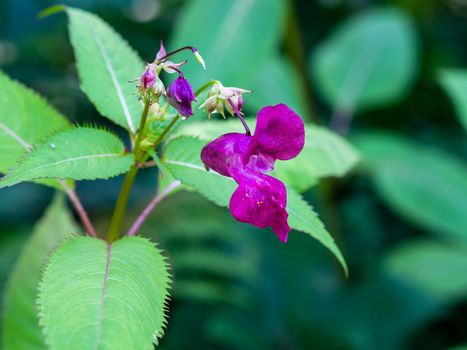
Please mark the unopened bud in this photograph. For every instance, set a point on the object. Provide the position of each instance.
(147, 79)
(199, 58)
(150, 85)
(161, 53)
(180, 96)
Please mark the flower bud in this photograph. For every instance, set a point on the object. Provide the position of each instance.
(180, 96)
(237, 101)
(161, 53)
(199, 58)
(150, 85)
(219, 97)
(147, 79)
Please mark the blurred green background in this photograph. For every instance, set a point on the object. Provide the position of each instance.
(379, 72)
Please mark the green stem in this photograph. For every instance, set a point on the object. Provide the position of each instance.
(204, 87)
(122, 201)
(166, 130)
(142, 125)
(121, 206)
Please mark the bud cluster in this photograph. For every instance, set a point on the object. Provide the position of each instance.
(220, 97)
(180, 93)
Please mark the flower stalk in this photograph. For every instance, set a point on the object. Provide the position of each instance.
(122, 201)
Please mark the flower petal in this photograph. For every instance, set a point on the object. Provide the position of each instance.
(261, 200)
(217, 155)
(180, 95)
(280, 132)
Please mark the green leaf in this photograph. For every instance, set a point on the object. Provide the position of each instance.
(325, 153)
(371, 60)
(82, 153)
(20, 322)
(235, 38)
(183, 161)
(435, 268)
(454, 81)
(277, 81)
(99, 296)
(424, 185)
(25, 120)
(105, 64)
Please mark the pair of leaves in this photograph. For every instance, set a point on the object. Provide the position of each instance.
(371, 60)
(105, 64)
(183, 161)
(325, 153)
(92, 295)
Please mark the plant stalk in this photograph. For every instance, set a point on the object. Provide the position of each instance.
(83, 215)
(154, 202)
(122, 201)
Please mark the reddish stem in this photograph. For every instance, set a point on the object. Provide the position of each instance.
(239, 115)
(191, 48)
(145, 213)
(83, 215)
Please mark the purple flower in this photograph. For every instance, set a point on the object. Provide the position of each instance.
(148, 78)
(259, 199)
(180, 95)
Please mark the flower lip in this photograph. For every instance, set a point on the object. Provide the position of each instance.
(260, 199)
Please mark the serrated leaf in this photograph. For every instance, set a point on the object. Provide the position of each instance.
(454, 81)
(426, 186)
(325, 152)
(235, 49)
(371, 60)
(116, 294)
(182, 158)
(25, 120)
(82, 153)
(105, 64)
(437, 269)
(20, 322)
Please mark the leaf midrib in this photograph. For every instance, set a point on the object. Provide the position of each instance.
(103, 295)
(113, 76)
(92, 156)
(15, 136)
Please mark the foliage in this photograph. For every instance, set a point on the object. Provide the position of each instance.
(20, 322)
(389, 188)
(82, 153)
(427, 186)
(381, 47)
(105, 63)
(182, 159)
(110, 310)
